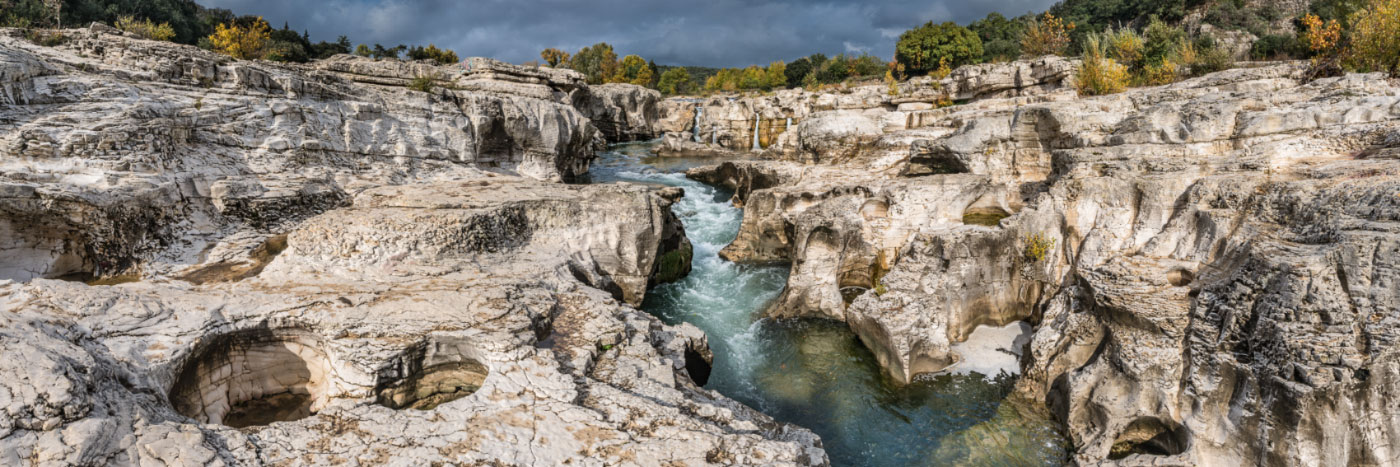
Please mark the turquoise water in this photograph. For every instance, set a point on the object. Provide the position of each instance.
(816, 373)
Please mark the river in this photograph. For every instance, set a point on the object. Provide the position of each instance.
(816, 373)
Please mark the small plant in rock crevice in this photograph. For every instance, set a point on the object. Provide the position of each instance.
(422, 84)
(1038, 246)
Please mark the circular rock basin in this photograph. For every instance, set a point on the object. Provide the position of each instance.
(254, 377)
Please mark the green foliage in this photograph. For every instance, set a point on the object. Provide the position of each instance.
(46, 38)
(1046, 35)
(1161, 40)
(1375, 38)
(597, 62)
(797, 70)
(1236, 15)
(1338, 10)
(554, 57)
(1091, 16)
(674, 81)
(1001, 37)
(1276, 46)
(1099, 73)
(422, 83)
(834, 70)
(146, 29)
(634, 70)
(363, 50)
(923, 48)
(379, 51)
(431, 52)
(752, 78)
(325, 49)
(1038, 246)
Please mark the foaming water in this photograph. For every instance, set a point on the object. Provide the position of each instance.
(817, 374)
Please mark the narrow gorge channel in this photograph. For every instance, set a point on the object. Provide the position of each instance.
(816, 373)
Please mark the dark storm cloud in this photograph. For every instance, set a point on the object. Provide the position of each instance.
(709, 33)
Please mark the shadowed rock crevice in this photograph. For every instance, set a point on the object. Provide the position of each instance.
(1149, 436)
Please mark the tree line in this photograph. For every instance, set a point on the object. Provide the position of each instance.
(218, 29)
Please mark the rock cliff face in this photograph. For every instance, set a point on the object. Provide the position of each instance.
(221, 262)
(1207, 264)
(729, 123)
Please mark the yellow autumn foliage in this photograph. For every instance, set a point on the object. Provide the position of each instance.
(242, 42)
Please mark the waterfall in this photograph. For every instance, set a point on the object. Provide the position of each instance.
(756, 120)
(698, 112)
(789, 124)
(714, 136)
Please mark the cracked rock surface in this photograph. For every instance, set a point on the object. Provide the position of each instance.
(219, 262)
(1209, 265)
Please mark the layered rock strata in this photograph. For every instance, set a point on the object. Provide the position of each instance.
(220, 262)
(1206, 263)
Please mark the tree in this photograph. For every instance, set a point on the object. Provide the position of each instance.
(1048, 35)
(632, 70)
(833, 70)
(56, 6)
(775, 76)
(797, 70)
(554, 57)
(921, 49)
(674, 81)
(242, 42)
(363, 50)
(597, 62)
(391, 52)
(1001, 37)
(431, 52)
(325, 49)
(1375, 38)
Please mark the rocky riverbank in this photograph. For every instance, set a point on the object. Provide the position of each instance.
(197, 247)
(1208, 265)
(210, 261)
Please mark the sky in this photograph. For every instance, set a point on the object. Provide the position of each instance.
(718, 33)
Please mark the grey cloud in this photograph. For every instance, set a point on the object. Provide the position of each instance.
(707, 33)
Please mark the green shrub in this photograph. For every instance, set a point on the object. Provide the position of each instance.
(1047, 35)
(1099, 74)
(1276, 46)
(674, 81)
(422, 83)
(923, 48)
(45, 38)
(1375, 38)
(431, 52)
(146, 29)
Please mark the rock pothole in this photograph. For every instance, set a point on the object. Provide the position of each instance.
(430, 375)
(254, 377)
(989, 216)
(1149, 436)
(1180, 277)
(233, 271)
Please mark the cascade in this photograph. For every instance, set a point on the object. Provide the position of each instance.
(789, 124)
(756, 120)
(714, 136)
(698, 112)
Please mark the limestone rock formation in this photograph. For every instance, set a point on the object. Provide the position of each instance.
(218, 262)
(623, 112)
(1207, 263)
